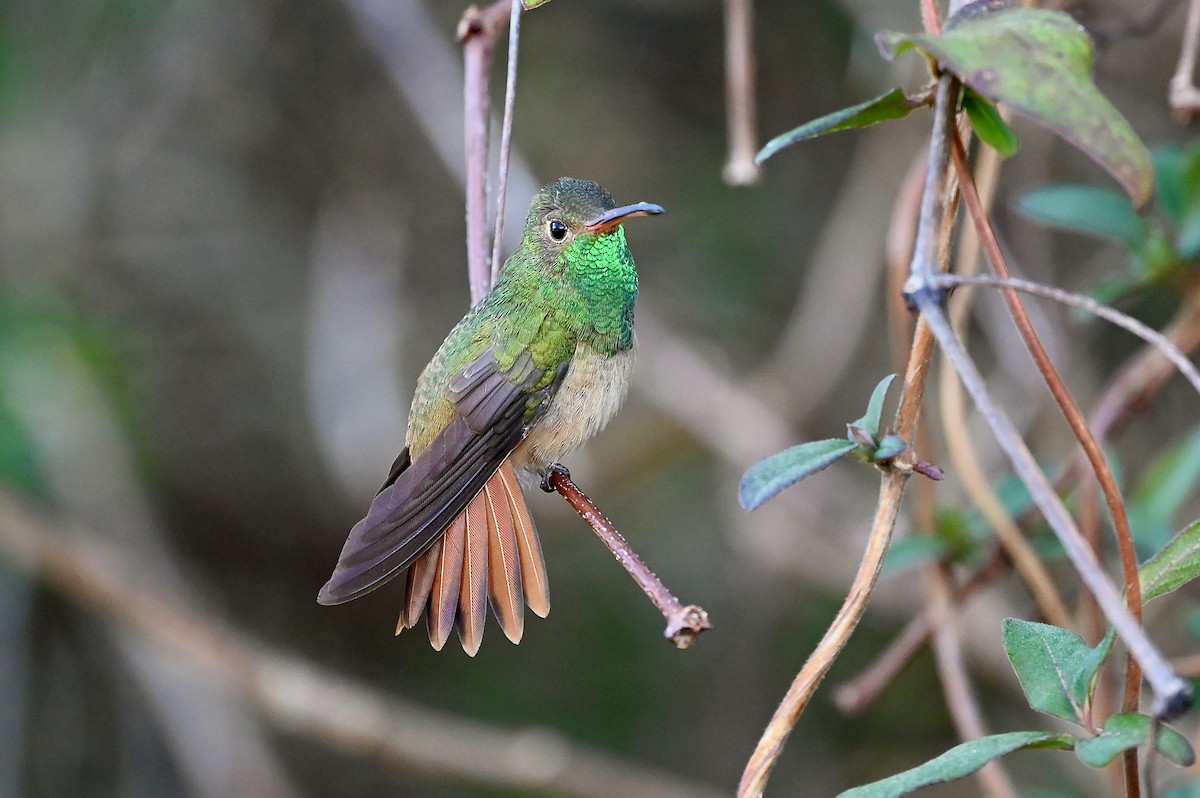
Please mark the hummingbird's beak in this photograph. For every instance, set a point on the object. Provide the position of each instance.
(612, 219)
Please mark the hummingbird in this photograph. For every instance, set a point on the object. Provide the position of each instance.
(537, 367)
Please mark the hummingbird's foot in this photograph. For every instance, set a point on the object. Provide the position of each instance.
(555, 468)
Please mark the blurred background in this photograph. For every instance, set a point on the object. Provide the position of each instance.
(231, 234)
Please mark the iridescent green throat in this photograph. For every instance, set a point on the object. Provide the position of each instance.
(604, 280)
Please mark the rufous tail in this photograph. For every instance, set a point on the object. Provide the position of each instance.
(490, 554)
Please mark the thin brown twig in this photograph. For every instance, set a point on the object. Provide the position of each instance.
(478, 31)
(740, 168)
(684, 622)
(766, 753)
(898, 248)
(1079, 427)
(856, 694)
(952, 673)
(1123, 320)
(947, 645)
(1172, 694)
(301, 698)
(931, 17)
(1183, 96)
(1144, 374)
(961, 448)
(966, 468)
(510, 99)
(770, 745)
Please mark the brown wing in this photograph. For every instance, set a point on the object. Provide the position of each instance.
(421, 497)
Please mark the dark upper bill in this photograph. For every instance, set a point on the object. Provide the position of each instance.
(611, 219)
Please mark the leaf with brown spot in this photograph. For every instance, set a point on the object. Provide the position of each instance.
(1039, 63)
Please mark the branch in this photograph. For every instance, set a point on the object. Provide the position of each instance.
(1079, 427)
(770, 745)
(854, 695)
(1184, 97)
(1172, 694)
(684, 623)
(478, 30)
(787, 714)
(961, 444)
(952, 673)
(1110, 314)
(301, 698)
(1144, 374)
(740, 169)
(510, 97)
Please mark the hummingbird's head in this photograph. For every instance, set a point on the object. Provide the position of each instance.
(575, 252)
(571, 214)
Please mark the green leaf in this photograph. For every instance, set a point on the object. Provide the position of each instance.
(18, 454)
(1177, 175)
(1127, 730)
(1173, 567)
(1168, 482)
(870, 421)
(1156, 258)
(1107, 292)
(889, 447)
(961, 760)
(1084, 681)
(1170, 179)
(988, 124)
(1088, 210)
(1187, 239)
(767, 477)
(1039, 63)
(1055, 666)
(893, 105)
(529, 5)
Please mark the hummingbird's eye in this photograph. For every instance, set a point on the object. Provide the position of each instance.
(558, 230)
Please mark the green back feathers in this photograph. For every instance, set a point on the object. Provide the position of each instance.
(563, 284)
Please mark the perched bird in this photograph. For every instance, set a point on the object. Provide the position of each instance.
(537, 367)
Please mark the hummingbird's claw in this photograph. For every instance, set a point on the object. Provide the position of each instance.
(555, 468)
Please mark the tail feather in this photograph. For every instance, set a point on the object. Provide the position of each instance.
(504, 561)
(420, 583)
(533, 566)
(447, 578)
(490, 554)
(473, 591)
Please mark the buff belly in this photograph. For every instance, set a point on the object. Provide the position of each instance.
(590, 395)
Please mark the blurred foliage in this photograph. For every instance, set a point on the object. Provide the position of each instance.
(1162, 247)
